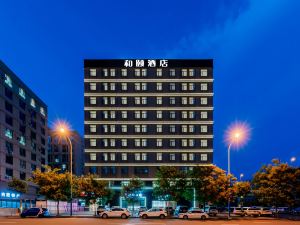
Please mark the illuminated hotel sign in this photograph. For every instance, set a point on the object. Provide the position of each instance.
(9, 195)
(146, 63)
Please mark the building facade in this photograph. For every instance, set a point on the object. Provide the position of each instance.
(59, 152)
(23, 135)
(143, 114)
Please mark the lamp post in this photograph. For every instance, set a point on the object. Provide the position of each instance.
(236, 136)
(62, 131)
(241, 176)
(293, 159)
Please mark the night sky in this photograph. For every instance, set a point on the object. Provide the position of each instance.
(255, 45)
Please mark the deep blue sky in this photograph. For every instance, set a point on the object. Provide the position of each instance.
(255, 45)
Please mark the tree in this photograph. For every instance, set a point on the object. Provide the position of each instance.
(241, 190)
(91, 189)
(19, 186)
(132, 191)
(53, 185)
(170, 185)
(277, 184)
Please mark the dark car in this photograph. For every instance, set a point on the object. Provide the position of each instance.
(35, 212)
(181, 209)
(100, 209)
(169, 210)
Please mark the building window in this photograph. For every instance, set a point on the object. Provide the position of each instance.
(93, 156)
(124, 100)
(144, 86)
(159, 142)
(105, 72)
(203, 157)
(144, 100)
(172, 87)
(105, 157)
(93, 72)
(203, 115)
(159, 156)
(144, 128)
(172, 157)
(112, 114)
(159, 100)
(159, 72)
(191, 142)
(137, 114)
(159, 128)
(9, 133)
(184, 157)
(124, 86)
(203, 87)
(105, 86)
(22, 140)
(124, 115)
(32, 103)
(112, 156)
(22, 164)
(172, 128)
(191, 86)
(184, 115)
(93, 101)
(184, 143)
(172, 143)
(172, 72)
(124, 156)
(137, 72)
(191, 72)
(112, 72)
(137, 156)
(93, 128)
(137, 100)
(112, 100)
(8, 80)
(144, 142)
(93, 86)
(184, 86)
(112, 86)
(203, 101)
(203, 72)
(22, 93)
(191, 157)
(172, 101)
(172, 115)
(137, 128)
(203, 143)
(184, 129)
(191, 100)
(144, 156)
(93, 114)
(42, 111)
(184, 72)
(192, 114)
(184, 100)
(112, 142)
(137, 86)
(144, 72)
(137, 142)
(124, 142)
(144, 114)
(203, 129)
(159, 86)
(124, 128)
(124, 72)
(93, 142)
(159, 114)
(191, 128)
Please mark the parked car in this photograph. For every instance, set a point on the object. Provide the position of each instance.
(240, 211)
(115, 212)
(170, 210)
(194, 214)
(258, 211)
(154, 212)
(35, 212)
(100, 209)
(296, 211)
(181, 209)
(212, 211)
(280, 210)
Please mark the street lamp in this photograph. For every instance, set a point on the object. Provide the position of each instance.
(62, 131)
(236, 136)
(241, 176)
(293, 159)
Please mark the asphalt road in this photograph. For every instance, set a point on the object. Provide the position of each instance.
(135, 221)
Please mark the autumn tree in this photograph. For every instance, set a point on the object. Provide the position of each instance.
(241, 190)
(277, 184)
(131, 191)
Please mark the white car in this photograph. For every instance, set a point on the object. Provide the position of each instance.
(154, 212)
(115, 212)
(194, 214)
(258, 211)
(240, 211)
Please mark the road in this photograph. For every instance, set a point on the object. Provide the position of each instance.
(97, 221)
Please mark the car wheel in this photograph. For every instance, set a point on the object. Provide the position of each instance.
(104, 216)
(144, 216)
(185, 217)
(162, 216)
(203, 217)
(124, 216)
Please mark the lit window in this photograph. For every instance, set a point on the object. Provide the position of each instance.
(203, 157)
(159, 114)
(124, 128)
(124, 142)
(124, 100)
(137, 100)
(112, 128)
(203, 101)
(191, 156)
(112, 142)
(191, 100)
(105, 72)
(42, 111)
(124, 72)
(112, 114)
(203, 87)
(105, 156)
(184, 115)
(137, 86)
(93, 100)
(191, 86)
(159, 156)
(124, 86)
(191, 142)
(112, 156)
(105, 86)
(144, 142)
(105, 142)
(144, 128)
(105, 114)
(124, 156)
(184, 86)
(22, 140)
(203, 115)
(137, 72)
(172, 143)
(184, 157)
(159, 72)
(93, 156)
(93, 86)
(172, 86)
(137, 142)
(137, 156)
(184, 72)
(191, 128)
(172, 72)
(191, 72)
(158, 128)
(203, 143)
(172, 157)
(93, 128)
(159, 86)
(112, 100)
(124, 114)
(137, 114)
(93, 114)
(8, 80)
(93, 72)
(144, 100)
(32, 103)
(172, 128)
(184, 143)
(112, 72)
(144, 114)
(184, 128)
(172, 115)
(137, 128)
(22, 93)
(192, 114)
(105, 128)
(8, 133)
(144, 72)
(93, 142)
(112, 86)
(203, 129)
(172, 101)
(203, 72)
(159, 142)
(158, 100)
(144, 86)
(144, 156)
(184, 100)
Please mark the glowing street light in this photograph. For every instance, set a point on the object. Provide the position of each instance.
(241, 176)
(236, 136)
(293, 159)
(62, 130)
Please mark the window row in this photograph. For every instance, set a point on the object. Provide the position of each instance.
(105, 72)
(144, 156)
(146, 86)
(143, 142)
(144, 128)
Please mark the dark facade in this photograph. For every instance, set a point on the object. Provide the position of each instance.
(23, 134)
(59, 152)
(143, 114)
